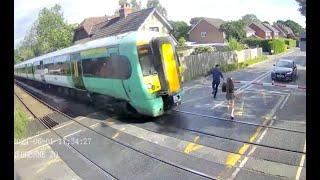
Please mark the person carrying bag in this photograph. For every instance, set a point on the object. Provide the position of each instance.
(229, 89)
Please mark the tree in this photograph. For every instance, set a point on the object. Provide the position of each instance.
(249, 18)
(48, 33)
(280, 22)
(295, 27)
(52, 32)
(156, 4)
(122, 2)
(266, 22)
(302, 8)
(136, 6)
(180, 29)
(195, 20)
(17, 56)
(182, 42)
(234, 29)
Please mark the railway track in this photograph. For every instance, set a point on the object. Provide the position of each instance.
(49, 124)
(240, 122)
(198, 131)
(29, 92)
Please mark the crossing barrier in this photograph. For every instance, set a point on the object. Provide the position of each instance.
(271, 84)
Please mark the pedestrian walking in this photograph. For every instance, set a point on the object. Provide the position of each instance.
(216, 75)
(230, 95)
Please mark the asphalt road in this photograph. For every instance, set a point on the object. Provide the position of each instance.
(266, 140)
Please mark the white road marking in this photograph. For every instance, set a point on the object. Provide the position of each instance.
(244, 161)
(239, 90)
(72, 133)
(285, 101)
(301, 162)
(59, 127)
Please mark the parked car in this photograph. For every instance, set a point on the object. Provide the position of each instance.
(284, 69)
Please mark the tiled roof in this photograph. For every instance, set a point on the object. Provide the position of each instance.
(261, 26)
(248, 29)
(284, 28)
(270, 27)
(279, 29)
(88, 23)
(121, 25)
(215, 22)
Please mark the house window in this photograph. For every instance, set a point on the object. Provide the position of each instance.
(203, 34)
(154, 29)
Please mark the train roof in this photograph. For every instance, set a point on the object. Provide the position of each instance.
(102, 42)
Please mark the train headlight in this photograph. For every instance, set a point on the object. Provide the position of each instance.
(151, 86)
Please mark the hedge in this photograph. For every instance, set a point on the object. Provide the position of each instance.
(241, 65)
(277, 45)
(291, 43)
(254, 42)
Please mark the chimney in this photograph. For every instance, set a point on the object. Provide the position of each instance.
(125, 9)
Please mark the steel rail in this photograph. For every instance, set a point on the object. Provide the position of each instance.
(106, 173)
(118, 142)
(240, 122)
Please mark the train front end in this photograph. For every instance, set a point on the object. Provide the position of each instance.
(161, 74)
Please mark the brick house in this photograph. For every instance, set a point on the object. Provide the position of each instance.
(288, 32)
(143, 20)
(249, 32)
(84, 29)
(275, 32)
(261, 30)
(207, 31)
(281, 32)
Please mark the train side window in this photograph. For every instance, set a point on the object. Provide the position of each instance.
(61, 66)
(114, 67)
(106, 63)
(146, 59)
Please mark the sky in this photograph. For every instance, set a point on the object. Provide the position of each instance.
(74, 11)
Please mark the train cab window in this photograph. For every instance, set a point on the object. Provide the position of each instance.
(146, 59)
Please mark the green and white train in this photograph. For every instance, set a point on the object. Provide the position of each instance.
(140, 68)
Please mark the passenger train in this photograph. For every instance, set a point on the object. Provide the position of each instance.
(140, 68)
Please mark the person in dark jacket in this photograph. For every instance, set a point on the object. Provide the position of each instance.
(216, 74)
(230, 95)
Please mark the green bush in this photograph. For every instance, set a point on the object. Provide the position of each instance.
(235, 45)
(241, 65)
(291, 43)
(257, 42)
(202, 49)
(182, 42)
(277, 46)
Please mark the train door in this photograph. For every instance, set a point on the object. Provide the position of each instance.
(26, 70)
(42, 72)
(119, 85)
(76, 70)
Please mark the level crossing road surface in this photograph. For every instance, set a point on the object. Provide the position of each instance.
(197, 140)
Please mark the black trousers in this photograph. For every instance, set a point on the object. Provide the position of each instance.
(215, 88)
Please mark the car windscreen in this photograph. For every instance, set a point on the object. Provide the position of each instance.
(284, 64)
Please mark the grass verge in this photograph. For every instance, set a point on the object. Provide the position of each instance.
(21, 120)
(241, 65)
